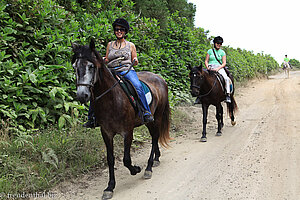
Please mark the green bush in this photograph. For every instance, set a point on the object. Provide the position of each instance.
(36, 77)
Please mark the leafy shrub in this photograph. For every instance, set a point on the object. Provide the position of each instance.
(36, 77)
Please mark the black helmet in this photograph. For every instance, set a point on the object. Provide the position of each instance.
(121, 22)
(218, 39)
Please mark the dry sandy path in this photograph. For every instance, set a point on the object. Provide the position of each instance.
(259, 158)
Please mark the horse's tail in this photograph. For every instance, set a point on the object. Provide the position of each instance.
(164, 136)
(232, 108)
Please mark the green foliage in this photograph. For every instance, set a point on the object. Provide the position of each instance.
(245, 64)
(36, 161)
(36, 77)
(295, 63)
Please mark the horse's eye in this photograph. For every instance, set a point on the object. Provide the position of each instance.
(90, 66)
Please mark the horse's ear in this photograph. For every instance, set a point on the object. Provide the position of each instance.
(92, 44)
(200, 67)
(74, 46)
(189, 67)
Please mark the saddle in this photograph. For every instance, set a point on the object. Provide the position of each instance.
(132, 94)
(222, 80)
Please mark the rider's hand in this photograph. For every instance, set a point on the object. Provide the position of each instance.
(134, 62)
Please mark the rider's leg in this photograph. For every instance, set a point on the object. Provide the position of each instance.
(91, 123)
(227, 84)
(132, 76)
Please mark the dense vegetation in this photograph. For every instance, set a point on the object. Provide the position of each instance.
(37, 80)
(36, 77)
(295, 63)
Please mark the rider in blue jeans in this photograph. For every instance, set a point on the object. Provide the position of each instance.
(120, 55)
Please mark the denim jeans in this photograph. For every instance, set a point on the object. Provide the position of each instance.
(132, 76)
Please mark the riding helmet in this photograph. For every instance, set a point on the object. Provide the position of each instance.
(218, 39)
(121, 22)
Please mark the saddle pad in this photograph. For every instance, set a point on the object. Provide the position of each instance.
(222, 83)
(147, 91)
(132, 94)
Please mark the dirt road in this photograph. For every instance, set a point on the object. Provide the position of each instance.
(259, 158)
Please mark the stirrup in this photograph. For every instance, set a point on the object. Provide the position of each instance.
(148, 117)
(228, 100)
(198, 101)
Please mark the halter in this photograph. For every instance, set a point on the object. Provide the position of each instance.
(95, 79)
(198, 87)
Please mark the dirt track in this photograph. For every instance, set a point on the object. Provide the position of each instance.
(259, 158)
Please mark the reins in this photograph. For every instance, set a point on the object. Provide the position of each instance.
(114, 85)
(203, 95)
(91, 86)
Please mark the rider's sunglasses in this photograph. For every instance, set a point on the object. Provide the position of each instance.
(119, 29)
(219, 43)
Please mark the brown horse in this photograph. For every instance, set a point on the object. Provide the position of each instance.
(114, 112)
(205, 84)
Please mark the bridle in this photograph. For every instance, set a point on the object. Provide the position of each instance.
(96, 78)
(92, 82)
(198, 87)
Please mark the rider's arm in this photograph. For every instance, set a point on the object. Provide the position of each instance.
(107, 51)
(206, 60)
(133, 54)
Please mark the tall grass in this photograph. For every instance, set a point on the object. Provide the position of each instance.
(37, 161)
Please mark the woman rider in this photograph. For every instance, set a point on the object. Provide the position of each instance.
(120, 55)
(216, 60)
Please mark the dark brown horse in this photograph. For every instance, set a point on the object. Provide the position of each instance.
(206, 85)
(114, 112)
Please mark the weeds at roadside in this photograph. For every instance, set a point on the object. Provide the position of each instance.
(37, 160)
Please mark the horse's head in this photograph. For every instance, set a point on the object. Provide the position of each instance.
(85, 62)
(197, 79)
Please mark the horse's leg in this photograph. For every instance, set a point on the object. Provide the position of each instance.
(205, 111)
(127, 158)
(230, 107)
(153, 160)
(108, 139)
(219, 116)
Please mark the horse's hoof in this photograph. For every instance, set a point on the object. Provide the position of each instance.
(147, 174)
(233, 123)
(136, 170)
(156, 163)
(107, 195)
(218, 133)
(203, 139)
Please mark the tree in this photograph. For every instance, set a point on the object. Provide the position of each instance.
(153, 9)
(184, 8)
(295, 63)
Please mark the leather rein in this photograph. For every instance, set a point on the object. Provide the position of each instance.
(206, 94)
(96, 78)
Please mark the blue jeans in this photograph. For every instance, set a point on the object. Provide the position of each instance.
(132, 76)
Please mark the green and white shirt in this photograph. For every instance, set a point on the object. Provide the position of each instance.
(212, 59)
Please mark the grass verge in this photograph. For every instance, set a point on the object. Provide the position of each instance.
(38, 160)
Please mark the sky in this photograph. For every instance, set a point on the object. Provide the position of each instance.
(268, 26)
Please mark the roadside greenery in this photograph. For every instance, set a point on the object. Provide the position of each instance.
(295, 63)
(36, 77)
(41, 141)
